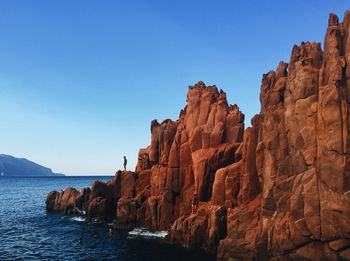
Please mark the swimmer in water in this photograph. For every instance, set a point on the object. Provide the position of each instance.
(110, 232)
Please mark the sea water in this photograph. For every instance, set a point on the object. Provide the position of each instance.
(28, 232)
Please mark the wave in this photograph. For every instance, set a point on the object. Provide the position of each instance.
(78, 219)
(142, 232)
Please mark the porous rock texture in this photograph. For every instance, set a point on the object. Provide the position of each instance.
(277, 190)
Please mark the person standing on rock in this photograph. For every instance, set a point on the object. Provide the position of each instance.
(125, 163)
(194, 203)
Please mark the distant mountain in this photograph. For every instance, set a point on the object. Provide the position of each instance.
(11, 166)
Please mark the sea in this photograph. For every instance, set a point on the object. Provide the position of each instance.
(29, 232)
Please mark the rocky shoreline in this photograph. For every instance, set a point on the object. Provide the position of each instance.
(278, 190)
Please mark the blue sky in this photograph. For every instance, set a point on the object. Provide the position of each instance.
(80, 81)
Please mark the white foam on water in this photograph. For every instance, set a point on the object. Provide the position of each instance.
(142, 232)
(78, 219)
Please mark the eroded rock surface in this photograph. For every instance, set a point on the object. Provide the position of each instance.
(278, 190)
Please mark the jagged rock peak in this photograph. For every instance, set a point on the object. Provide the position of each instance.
(333, 20)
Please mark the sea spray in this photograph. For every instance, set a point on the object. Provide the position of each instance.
(143, 232)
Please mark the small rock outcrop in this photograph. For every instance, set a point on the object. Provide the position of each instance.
(97, 202)
(278, 190)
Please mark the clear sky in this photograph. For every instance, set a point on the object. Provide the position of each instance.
(80, 81)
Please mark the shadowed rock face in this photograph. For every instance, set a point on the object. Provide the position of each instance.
(279, 189)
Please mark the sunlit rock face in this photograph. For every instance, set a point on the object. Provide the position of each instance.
(184, 155)
(278, 190)
(302, 159)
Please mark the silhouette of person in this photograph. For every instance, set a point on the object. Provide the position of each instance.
(125, 163)
(194, 203)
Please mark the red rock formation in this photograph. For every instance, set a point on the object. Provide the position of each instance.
(63, 201)
(184, 155)
(203, 229)
(99, 202)
(301, 158)
(279, 189)
(127, 204)
(102, 202)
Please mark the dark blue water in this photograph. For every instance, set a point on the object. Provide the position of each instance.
(28, 232)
